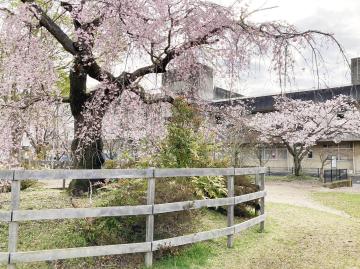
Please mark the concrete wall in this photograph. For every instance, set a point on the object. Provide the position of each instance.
(200, 83)
(356, 161)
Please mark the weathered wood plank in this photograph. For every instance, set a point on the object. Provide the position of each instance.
(230, 210)
(187, 172)
(6, 174)
(262, 201)
(127, 173)
(4, 257)
(50, 214)
(248, 197)
(257, 180)
(5, 216)
(14, 226)
(82, 174)
(71, 213)
(192, 238)
(250, 171)
(247, 224)
(150, 200)
(187, 205)
(59, 254)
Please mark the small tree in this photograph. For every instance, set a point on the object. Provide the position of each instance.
(185, 145)
(299, 124)
(258, 151)
(227, 123)
(324, 154)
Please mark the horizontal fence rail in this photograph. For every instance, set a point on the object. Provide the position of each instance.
(16, 215)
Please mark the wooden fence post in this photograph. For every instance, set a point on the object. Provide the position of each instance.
(230, 210)
(262, 200)
(150, 218)
(257, 183)
(13, 226)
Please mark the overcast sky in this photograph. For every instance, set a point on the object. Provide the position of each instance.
(340, 17)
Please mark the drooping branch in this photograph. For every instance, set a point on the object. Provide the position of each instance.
(6, 10)
(52, 27)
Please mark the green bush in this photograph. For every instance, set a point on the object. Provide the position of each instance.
(110, 164)
(186, 146)
(244, 185)
(28, 183)
(209, 186)
(115, 230)
(5, 185)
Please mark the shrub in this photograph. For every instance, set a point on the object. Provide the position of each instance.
(5, 186)
(244, 185)
(209, 186)
(28, 183)
(110, 164)
(114, 230)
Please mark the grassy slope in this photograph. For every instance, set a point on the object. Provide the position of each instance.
(295, 238)
(347, 202)
(38, 235)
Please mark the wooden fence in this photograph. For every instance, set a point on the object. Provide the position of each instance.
(15, 215)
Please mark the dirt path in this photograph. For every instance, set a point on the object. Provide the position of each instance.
(299, 194)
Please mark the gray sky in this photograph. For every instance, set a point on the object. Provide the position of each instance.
(340, 17)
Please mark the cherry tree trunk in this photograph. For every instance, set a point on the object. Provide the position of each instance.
(88, 155)
(297, 166)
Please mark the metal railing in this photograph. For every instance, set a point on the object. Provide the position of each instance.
(331, 175)
(15, 215)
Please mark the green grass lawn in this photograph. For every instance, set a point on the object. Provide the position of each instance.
(347, 202)
(295, 237)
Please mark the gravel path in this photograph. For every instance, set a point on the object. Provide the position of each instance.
(299, 194)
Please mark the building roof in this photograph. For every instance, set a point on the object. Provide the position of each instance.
(266, 103)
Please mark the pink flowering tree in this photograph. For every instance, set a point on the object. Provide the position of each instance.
(96, 39)
(227, 124)
(299, 125)
(131, 125)
(10, 137)
(48, 130)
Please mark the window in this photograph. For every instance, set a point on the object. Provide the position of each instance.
(310, 154)
(282, 154)
(275, 154)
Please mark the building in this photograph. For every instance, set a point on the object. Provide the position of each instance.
(200, 83)
(345, 155)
